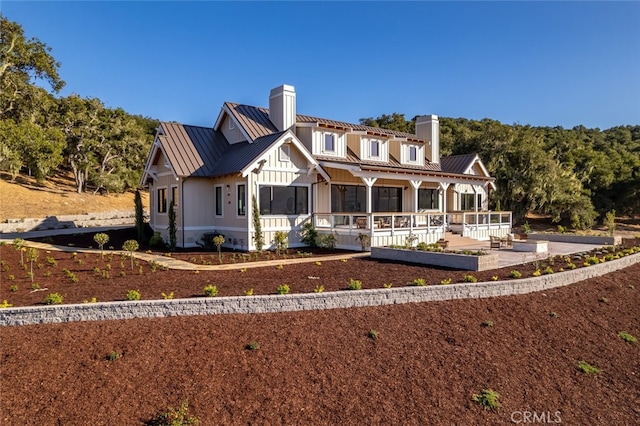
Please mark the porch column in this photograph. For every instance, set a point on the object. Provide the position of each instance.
(443, 187)
(415, 184)
(369, 183)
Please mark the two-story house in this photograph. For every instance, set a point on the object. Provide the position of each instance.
(346, 179)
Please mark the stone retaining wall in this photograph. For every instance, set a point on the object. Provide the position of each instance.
(111, 218)
(301, 302)
(447, 260)
(600, 240)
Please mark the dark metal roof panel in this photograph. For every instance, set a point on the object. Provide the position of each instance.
(240, 155)
(457, 164)
(254, 120)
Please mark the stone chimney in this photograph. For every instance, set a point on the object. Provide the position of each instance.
(428, 128)
(282, 107)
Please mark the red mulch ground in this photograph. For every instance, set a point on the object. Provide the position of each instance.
(320, 367)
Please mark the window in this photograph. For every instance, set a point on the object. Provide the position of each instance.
(352, 198)
(329, 142)
(413, 154)
(162, 200)
(428, 199)
(242, 200)
(467, 201)
(386, 199)
(284, 200)
(375, 148)
(219, 200)
(285, 153)
(174, 195)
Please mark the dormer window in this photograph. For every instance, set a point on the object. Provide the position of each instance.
(375, 148)
(413, 153)
(329, 142)
(232, 125)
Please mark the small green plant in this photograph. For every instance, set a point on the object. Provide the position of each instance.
(526, 228)
(53, 299)
(130, 246)
(627, 337)
(553, 315)
(175, 417)
(253, 346)
(32, 256)
(248, 292)
(35, 286)
(364, 240)
(548, 270)
(283, 289)
(328, 241)
(92, 300)
(18, 245)
(318, 289)
(387, 285)
(167, 296)
(562, 229)
(587, 368)
(487, 323)
(610, 222)
(571, 266)
(133, 295)
(218, 241)
(101, 239)
(51, 261)
(470, 279)
(5, 304)
(318, 263)
(489, 399)
(13, 288)
(309, 234)
(603, 300)
(354, 284)
(372, 334)
(211, 290)
(536, 273)
(445, 281)
(420, 282)
(281, 241)
(113, 355)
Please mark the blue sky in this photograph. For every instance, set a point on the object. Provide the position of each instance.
(538, 63)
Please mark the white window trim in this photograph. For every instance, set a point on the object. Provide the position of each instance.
(272, 184)
(166, 196)
(241, 216)
(232, 124)
(284, 149)
(175, 202)
(221, 200)
(324, 142)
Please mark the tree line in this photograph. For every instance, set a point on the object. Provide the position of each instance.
(41, 133)
(575, 175)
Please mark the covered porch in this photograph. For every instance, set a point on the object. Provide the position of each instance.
(401, 228)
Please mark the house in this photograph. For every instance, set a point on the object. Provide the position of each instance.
(345, 179)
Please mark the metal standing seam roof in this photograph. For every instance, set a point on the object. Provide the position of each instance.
(191, 150)
(457, 164)
(239, 155)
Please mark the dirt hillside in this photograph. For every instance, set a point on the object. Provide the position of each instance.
(26, 198)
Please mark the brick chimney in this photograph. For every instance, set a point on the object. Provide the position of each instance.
(428, 128)
(282, 107)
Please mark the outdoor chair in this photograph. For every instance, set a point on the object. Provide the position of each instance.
(361, 222)
(495, 242)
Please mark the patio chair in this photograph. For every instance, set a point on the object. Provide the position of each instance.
(494, 242)
(361, 222)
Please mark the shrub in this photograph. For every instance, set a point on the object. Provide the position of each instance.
(571, 265)
(470, 279)
(218, 241)
(318, 289)
(248, 292)
(309, 234)
(420, 282)
(51, 261)
(53, 299)
(130, 246)
(536, 273)
(387, 285)
(372, 334)
(253, 346)
(283, 289)
(101, 239)
(166, 296)
(175, 417)
(172, 226)
(156, 240)
(489, 399)
(627, 337)
(364, 240)
(133, 295)
(587, 368)
(5, 304)
(495, 278)
(445, 281)
(258, 237)
(610, 222)
(113, 355)
(354, 284)
(13, 288)
(93, 300)
(211, 291)
(327, 241)
(548, 270)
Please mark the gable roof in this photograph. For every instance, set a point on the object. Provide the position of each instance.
(458, 164)
(240, 155)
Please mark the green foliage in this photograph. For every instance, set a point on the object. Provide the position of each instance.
(610, 222)
(318, 289)
(515, 274)
(354, 284)
(487, 323)
(218, 241)
(420, 282)
(309, 234)
(283, 289)
(211, 291)
(627, 337)
(5, 304)
(167, 296)
(445, 281)
(258, 237)
(281, 241)
(253, 346)
(373, 334)
(175, 417)
(32, 256)
(327, 241)
(587, 368)
(489, 399)
(172, 226)
(156, 240)
(364, 240)
(470, 279)
(113, 355)
(133, 295)
(130, 246)
(101, 239)
(53, 299)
